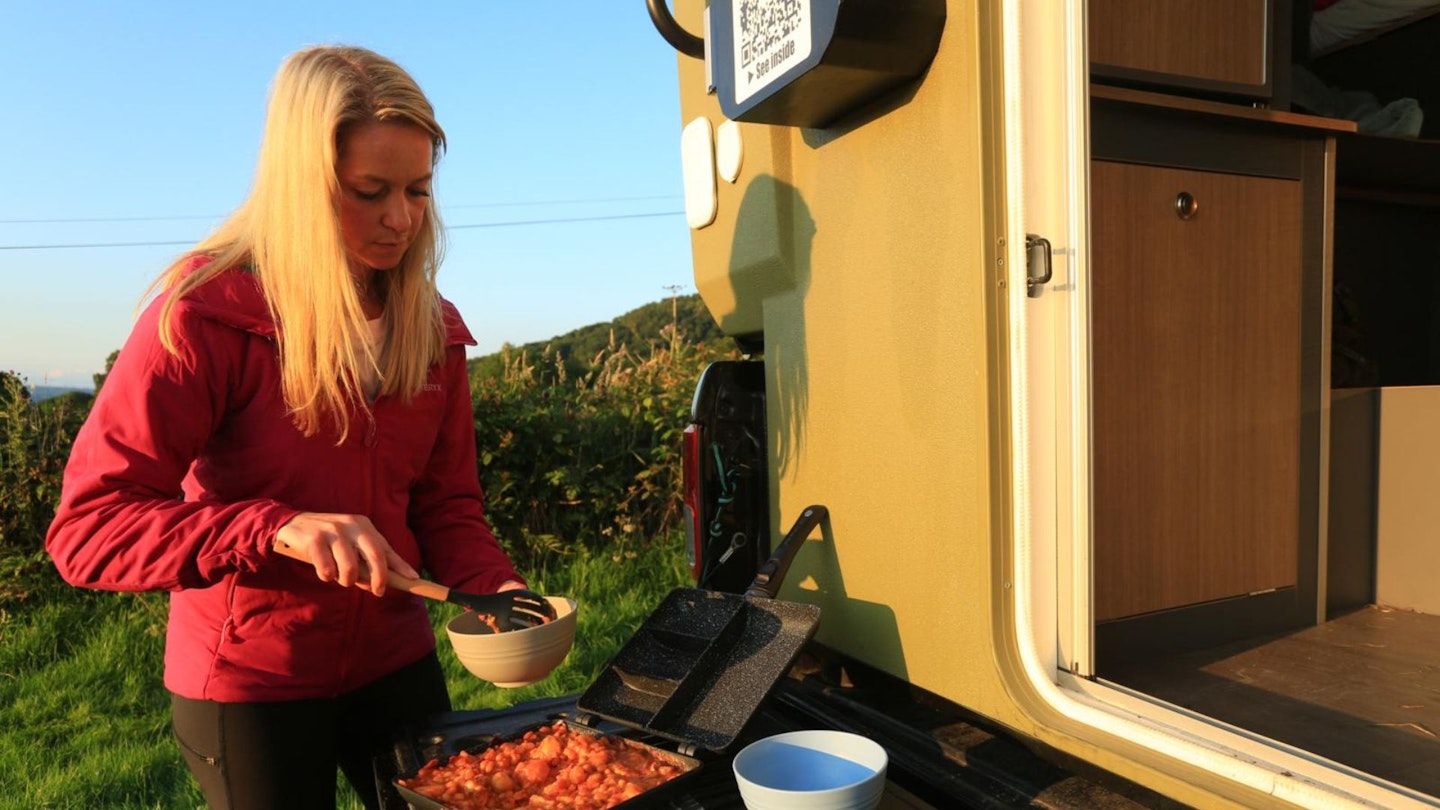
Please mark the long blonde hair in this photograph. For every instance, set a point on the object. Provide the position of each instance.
(288, 232)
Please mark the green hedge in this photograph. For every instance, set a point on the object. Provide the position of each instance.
(35, 441)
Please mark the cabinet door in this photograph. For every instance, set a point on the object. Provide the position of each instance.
(1196, 376)
(1212, 40)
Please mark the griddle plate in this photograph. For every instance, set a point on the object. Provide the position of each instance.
(700, 665)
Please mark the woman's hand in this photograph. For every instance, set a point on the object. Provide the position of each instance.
(344, 548)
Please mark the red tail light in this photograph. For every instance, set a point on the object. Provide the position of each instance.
(690, 485)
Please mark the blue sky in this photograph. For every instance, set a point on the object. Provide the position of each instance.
(124, 112)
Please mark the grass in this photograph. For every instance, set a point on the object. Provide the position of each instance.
(84, 716)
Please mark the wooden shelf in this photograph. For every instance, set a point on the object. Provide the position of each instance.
(1129, 96)
(1387, 168)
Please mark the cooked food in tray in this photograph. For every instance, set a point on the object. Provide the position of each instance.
(552, 766)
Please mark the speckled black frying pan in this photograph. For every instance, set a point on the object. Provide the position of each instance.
(702, 663)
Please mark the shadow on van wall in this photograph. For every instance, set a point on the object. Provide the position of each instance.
(770, 274)
(769, 271)
(823, 582)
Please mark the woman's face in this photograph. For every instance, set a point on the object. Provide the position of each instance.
(384, 170)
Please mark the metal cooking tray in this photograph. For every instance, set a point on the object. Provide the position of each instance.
(689, 765)
(701, 665)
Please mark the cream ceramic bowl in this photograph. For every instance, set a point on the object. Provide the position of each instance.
(517, 657)
(811, 770)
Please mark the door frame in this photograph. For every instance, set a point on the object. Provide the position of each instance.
(1046, 152)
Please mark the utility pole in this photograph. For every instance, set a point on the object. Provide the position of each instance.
(674, 290)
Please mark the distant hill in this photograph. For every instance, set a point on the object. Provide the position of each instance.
(40, 393)
(637, 329)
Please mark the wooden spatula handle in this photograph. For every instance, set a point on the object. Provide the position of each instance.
(419, 587)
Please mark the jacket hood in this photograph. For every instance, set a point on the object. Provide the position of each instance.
(233, 298)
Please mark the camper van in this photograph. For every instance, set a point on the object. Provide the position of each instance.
(1107, 335)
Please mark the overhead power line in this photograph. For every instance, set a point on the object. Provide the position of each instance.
(108, 219)
(562, 202)
(178, 217)
(97, 245)
(558, 221)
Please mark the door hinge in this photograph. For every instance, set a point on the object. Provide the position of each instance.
(1037, 264)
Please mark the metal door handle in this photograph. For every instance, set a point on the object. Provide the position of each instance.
(1037, 264)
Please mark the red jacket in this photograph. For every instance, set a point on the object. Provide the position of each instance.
(210, 425)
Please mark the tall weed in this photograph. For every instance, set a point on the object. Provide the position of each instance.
(35, 441)
(586, 461)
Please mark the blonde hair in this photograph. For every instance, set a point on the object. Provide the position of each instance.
(288, 232)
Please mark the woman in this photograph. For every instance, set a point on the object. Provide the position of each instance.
(298, 381)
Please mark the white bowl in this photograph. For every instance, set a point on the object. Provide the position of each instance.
(516, 657)
(811, 770)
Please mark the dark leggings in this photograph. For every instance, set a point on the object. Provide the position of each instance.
(283, 755)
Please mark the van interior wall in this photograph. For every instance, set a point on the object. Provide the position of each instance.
(1386, 306)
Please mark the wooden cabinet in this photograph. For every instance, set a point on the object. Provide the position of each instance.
(1209, 287)
(1197, 363)
(1221, 47)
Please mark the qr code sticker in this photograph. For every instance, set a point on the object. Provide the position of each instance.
(770, 37)
(766, 25)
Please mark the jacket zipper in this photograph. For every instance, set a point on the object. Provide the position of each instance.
(352, 629)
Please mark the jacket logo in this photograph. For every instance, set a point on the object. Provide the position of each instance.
(432, 386)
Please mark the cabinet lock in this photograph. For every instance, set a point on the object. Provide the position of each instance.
(1186, 206)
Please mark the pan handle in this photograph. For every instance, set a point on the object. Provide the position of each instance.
(767, 580)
